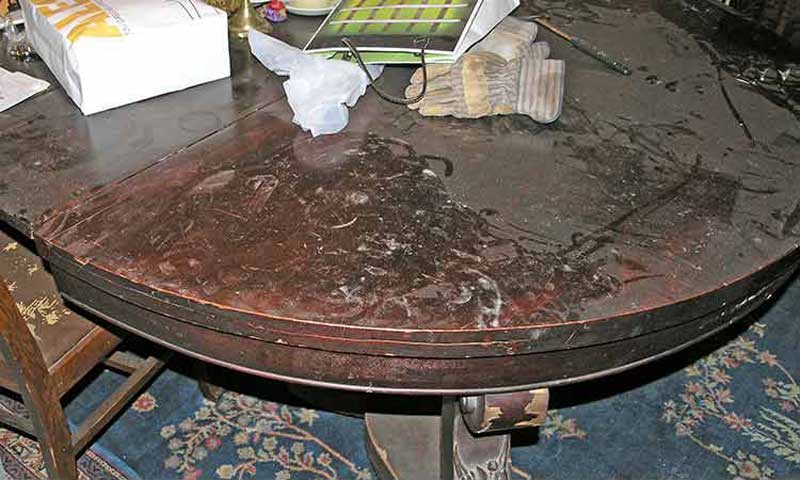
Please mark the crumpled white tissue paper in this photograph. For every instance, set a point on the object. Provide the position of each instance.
(17, 86)
(319, 90)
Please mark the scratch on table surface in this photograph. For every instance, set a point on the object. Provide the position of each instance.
(344, 225)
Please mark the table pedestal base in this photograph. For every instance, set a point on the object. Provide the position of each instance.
(435, 447)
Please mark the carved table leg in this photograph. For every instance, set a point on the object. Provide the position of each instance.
(442, 447)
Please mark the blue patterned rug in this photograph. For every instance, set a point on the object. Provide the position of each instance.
(729, 409)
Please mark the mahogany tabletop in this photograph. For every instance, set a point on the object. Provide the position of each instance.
(50, 152)
(422, 255)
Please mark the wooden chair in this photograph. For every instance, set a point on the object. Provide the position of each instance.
(46, 349)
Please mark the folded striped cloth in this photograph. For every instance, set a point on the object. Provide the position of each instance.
(503, 74)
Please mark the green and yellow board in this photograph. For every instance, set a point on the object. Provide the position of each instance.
(385, 31)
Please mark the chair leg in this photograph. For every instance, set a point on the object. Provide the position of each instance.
(38, 390)
(55, 440)
(210, 390)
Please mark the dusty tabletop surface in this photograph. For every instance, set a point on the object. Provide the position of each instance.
(651, 190)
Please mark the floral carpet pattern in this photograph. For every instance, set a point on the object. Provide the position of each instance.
(728, 409)
(262, 433)
(707, 399)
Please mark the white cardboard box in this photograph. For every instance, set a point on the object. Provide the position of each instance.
(108, 53)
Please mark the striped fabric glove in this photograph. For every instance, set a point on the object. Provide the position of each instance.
(509, 39)
(485, 83)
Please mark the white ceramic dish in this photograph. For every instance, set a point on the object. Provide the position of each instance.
(309, 12)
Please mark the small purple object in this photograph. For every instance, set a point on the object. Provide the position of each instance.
(275, 11)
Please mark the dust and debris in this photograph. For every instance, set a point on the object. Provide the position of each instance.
(374, 237)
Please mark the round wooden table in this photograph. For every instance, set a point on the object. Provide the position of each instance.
(479, 261)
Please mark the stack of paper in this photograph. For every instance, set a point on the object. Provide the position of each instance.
(17, 86)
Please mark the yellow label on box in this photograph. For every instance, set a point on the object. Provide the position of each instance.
(78, 18)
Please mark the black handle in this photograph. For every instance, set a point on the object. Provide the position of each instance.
(423, 42)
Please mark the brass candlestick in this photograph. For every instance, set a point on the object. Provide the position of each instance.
(246, 19)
